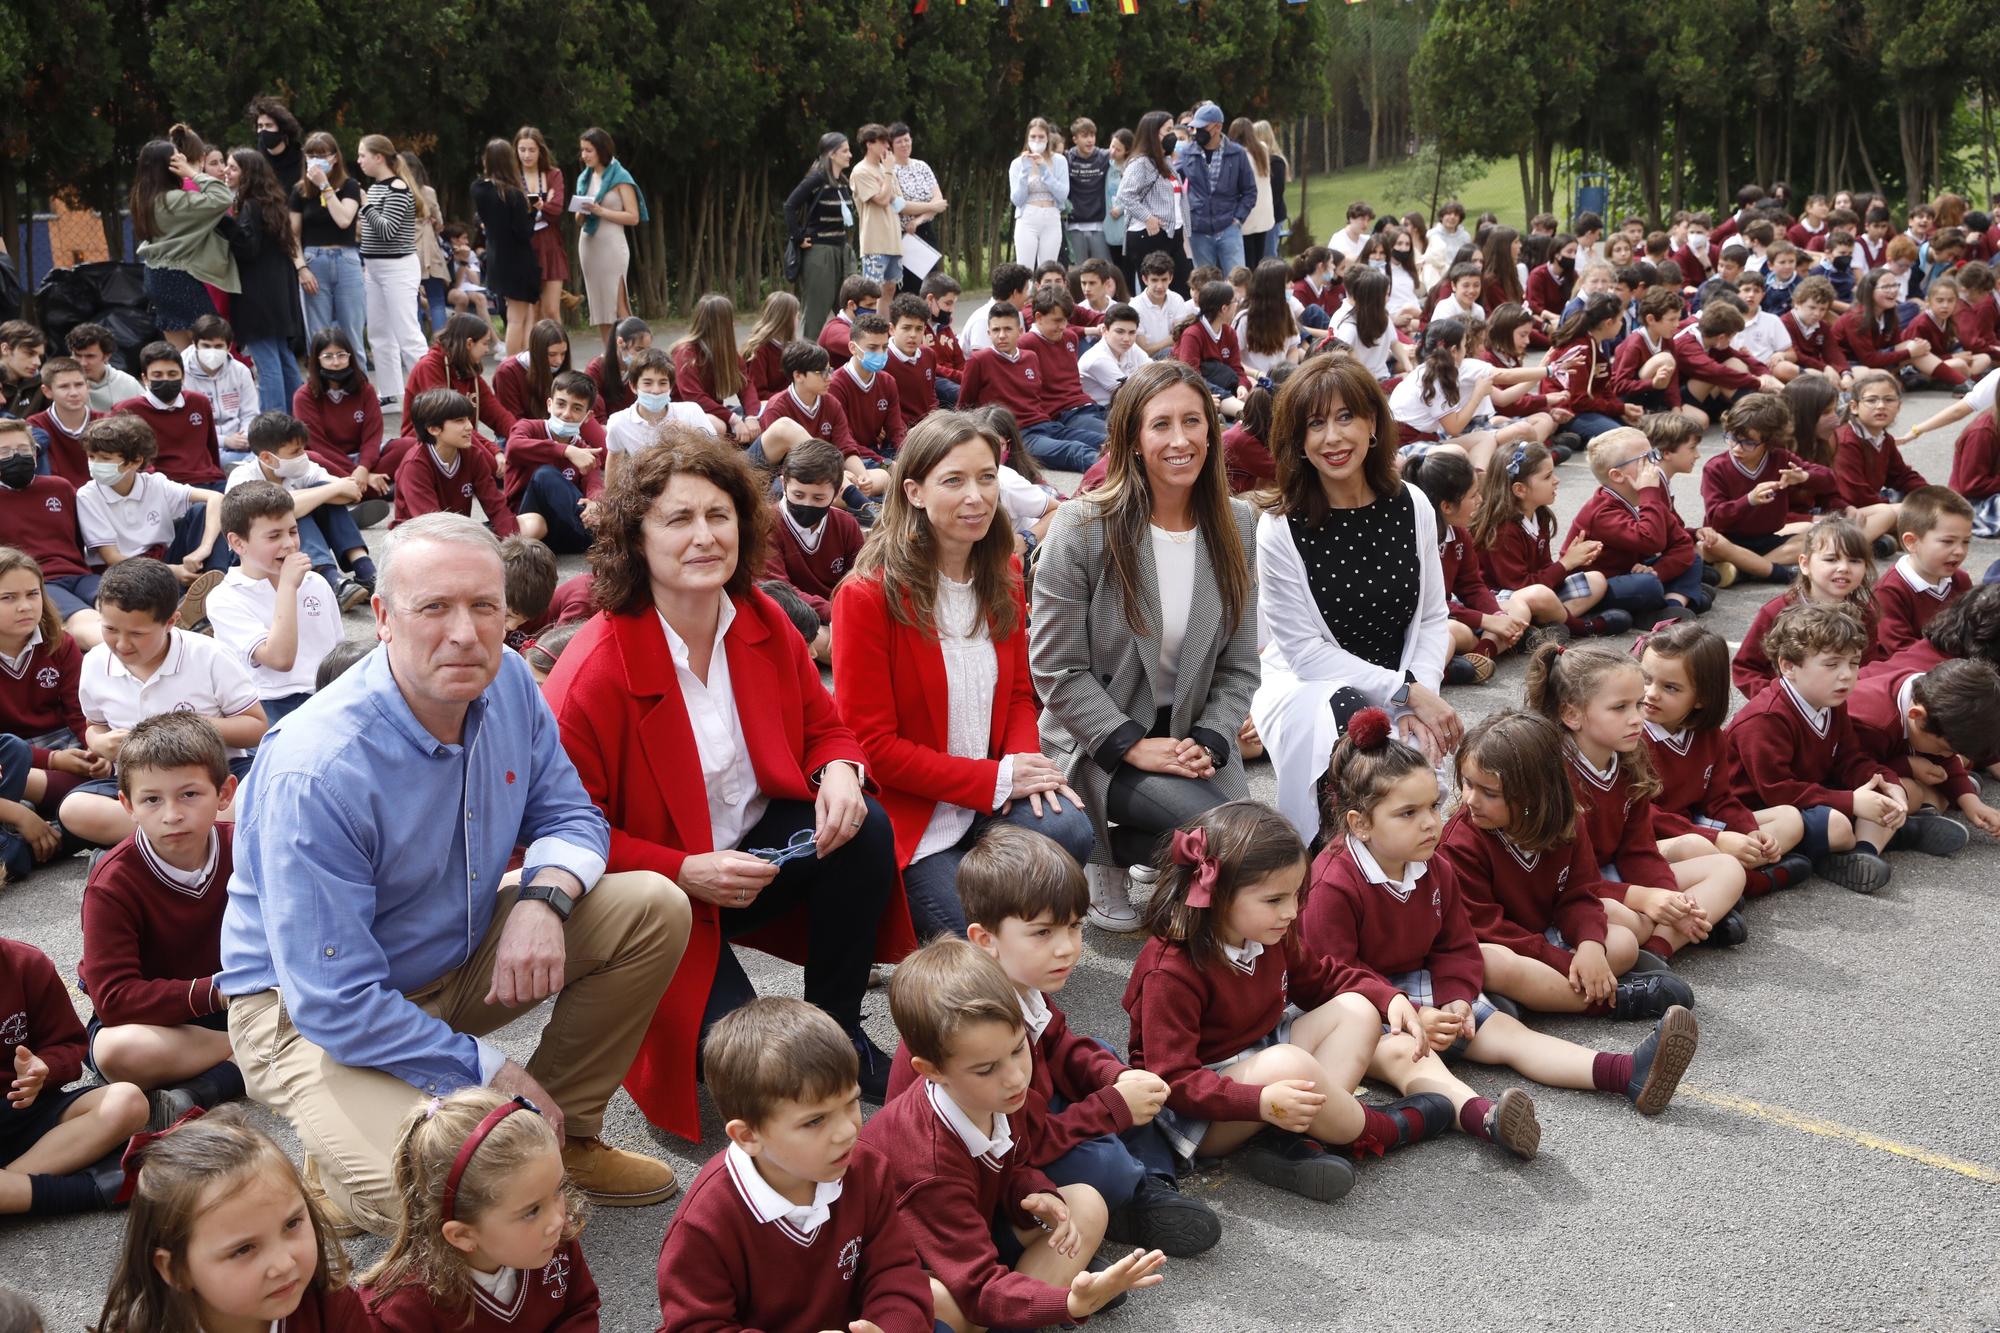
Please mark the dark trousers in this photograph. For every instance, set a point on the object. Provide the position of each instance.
(1138, 245)
(557, 499)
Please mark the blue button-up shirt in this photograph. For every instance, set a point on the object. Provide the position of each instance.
(368, 855)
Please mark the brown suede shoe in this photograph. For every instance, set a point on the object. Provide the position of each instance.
(337, 1220)
(192, 615)
(616, 1178)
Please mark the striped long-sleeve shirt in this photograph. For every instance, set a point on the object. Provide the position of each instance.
(388, 220)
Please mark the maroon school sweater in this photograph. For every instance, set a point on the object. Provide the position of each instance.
(722, 1268)
(1691, 770)
(825, 419)
(423, 487)
(1869, 342)
(1013, 382)
(1975, 459)
(1696, 360)
(837, 337)
(1753, 669)
(1633, 352)
(1380, 933)
(1197, 345)
(530, 447)
(1862, 467)
(951, 1199)
(1512, 896)
(151, 948)
(572, 600)
(1519, 560)
(35, 1012)
(1726, 487)
(1882, 730)
(1648, 533)
(694, 382)
(1469, 600)
(41, 697)
(1247, 460)
(559, 1297)
(341, 433)
(916, 383)
(1620, 824)
(1062, 387)
(815, 573)
(1905, 607)
(1815, 347)
(1974, 323)
(40, 519)
(190, 453)
(65, 452)
(1778, 756)
(874, 411)
(1185, 1017)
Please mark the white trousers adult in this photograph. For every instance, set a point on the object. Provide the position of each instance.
(1037, 234)
(395, 341)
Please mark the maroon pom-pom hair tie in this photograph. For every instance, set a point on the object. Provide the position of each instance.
(1368, 729)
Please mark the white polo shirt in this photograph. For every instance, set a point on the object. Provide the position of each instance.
(135, 523)
(240, 611)
(626, 432)
(1101, 371)
(250, 470)
(1156, 322)
(198, 676)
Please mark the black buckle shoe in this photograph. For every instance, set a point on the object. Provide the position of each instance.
(1729, 932)
(1298, 1164)
(1160, 1217)
(1651, 996)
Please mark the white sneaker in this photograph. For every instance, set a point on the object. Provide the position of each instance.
(1110, 902)
(1141, 881)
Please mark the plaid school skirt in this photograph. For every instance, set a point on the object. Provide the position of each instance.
(1185, 1132)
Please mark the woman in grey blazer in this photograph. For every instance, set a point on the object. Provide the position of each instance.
(1143, 643)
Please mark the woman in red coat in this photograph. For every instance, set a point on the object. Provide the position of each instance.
(697, 721)
(930, 664)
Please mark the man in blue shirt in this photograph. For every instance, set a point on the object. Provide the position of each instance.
(370, 943)
(1221, 191)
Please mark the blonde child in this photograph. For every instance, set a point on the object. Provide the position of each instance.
(224, 1238)
(487, 1239)
(1836, 568)
(1382, 903)
(1523, 860)
(1514, 529)
(1243, 1020)
(1676, 445)
(1593, 694)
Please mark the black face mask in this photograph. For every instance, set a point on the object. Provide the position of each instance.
(1843, 262)
(164, 390)
(341, 376)
(270, 139)
(17, 470)
(806, 516)
(1567, 264)
(1168, 142)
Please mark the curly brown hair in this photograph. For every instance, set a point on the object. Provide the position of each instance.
(622, 582)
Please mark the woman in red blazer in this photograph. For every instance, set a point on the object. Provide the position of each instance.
(697, 721)
(937, 688)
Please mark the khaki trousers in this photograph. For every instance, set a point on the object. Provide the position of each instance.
(623, 943)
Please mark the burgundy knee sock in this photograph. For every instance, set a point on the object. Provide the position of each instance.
(1658, 945)
(1379, 1132)
(1472, 1118)
(1611, 1073)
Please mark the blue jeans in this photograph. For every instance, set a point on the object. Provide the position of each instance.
(278, 375)
(340, 299)
(1062, 448)
(947, 392)
(327, 533)
(1589, 425)
(276, 710)
(556, 498)
(434, 309)
(187, 536)
(1083, 422)
(931, 885)
(17, 858)
(1224, 250)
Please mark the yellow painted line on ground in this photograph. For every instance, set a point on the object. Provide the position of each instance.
(1833, 1129)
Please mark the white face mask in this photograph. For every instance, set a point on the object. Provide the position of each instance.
(1038, 145)
(106, 473)
(291, 469)
(211, 359)
(1698, 242)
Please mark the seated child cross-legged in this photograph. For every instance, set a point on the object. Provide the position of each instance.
(1868, 468)
(1794, 744)
(784, 1078)
(1089, 1116)
(1593, 694)
(1514, 530)
(1382, 903)
(1481, 628)
(1934, 526)
(1005, 1247)
(1521, 853)
(1676, 443)
(1759, 494)
(488, 1236)
(1244, 1021)
(1644, 551)
(126, 509)
(328, 530)
(450, 466)
(152, 922)
(556, 465)
(273, 610)
(1835, 569)
(1919, 723)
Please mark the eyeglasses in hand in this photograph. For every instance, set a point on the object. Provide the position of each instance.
(800, 845)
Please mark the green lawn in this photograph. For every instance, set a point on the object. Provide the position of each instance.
(1391, 189)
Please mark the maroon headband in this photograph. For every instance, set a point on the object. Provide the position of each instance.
(471, 1146)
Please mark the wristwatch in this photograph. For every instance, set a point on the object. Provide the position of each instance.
(1401, 698)
(549, 896)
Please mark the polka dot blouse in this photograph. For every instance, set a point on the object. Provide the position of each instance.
(1362, 567)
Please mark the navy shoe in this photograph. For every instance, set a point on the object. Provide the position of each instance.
(1782, 574)
(1434, 1116)
(1651, 996)
(1648, 964)
(1159, 1217)
(1297, 1163)
(1794, 867)
(1512, 1124)
(1863, 872)
(1931, 833)
(1661, 1059)
(1729, 932)
(874, 1068)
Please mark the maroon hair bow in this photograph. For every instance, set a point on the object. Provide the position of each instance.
(1639, 644)
(135, 1152)
(1191, 849)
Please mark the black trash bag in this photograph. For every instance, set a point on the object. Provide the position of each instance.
(107, 293)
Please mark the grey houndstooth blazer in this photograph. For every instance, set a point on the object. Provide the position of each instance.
(1095, 676)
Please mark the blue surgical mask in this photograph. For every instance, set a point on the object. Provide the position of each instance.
(319, 164)
(563, 430)
(105, 473)
(874, 361)
(654, 402)
(861, 310)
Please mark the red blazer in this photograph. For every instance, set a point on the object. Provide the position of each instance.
(618, 704)
(889, 678)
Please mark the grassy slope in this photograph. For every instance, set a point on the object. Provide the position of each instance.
(1498, 188)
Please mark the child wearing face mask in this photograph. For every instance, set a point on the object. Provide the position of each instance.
(182, 418)
(209, 369)
(327, 527)
(813, 541)
(125, 509)
(555, 466)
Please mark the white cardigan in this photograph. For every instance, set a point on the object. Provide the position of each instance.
(1304, 664)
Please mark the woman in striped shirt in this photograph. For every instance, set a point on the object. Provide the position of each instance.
(392, 274)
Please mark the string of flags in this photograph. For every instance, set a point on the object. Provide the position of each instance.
(1127, 7)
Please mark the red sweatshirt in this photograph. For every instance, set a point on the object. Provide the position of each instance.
(1509, 897)
(1944, 342)
(1905, 605)
(424, 486)
(40, 519)
(1779, 756)
(722, 1267)
(65, 452)
(694, 382)
(837, 337)
(1248, 460)
(1379, 932)
(513, 392)
(1808, 238)
(874, 411)
(1634, 351)
(1650, 533)
(950, 1200)
(1863, 467)
(35, 1012)
(1549, 288)
(1528, 403)
(189, 453)
(1816, 348)
(1882, 728)
(41, 696)
(765, 369)
(151, 947)
(1197, 345)
(816, 573)
(1579, 369)
(1620, 824)
(530, 446)
(1975, 459)
(1870, 343)
(1689, 764)
(560, 1297)
(1062, 388)
(1517, 559)
(430, 373)
(1726, 487)
(572, 600)
(1326, 298)
(1468, 599)
(1015, 383)
(1753, 669)
(1696, 360)
(1974, 323)
(826, 419)
(950, 351)
(916, 383)
(341, 434)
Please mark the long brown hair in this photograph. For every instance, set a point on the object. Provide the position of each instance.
(259, 186)
(545, 161)
(1498, 505)
(456, 338)
(1248, 841)
(622, 582)
(778, 323)
(51, 623)
(500, 166)
(1498, 252)
(542, 380)
(1268, 326)
(151, 179)
(1124, 502)
(902, 550)
(1314, 392)
(1524, 753)
(1562, 677)
(712, 337)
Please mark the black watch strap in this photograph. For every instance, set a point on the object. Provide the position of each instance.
(554, 898)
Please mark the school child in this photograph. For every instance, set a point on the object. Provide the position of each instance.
(1161, 310)
(1314, 285)
(1116, 356)
(764, 350)
(1513, 531)
(1764, 338)
(50, 1133)
(1696, 813)
(809, 405)
(1757, 493)
(1058, 354)
(274, 611)
(1975, 472)
(1795, 744)
(1644, 551)
(1437, 405)
(1004, 1245)
(1809, 232)
(1382, 903)
(467, 292)
(453, 362)
(783, 1077)
(1809, 323)
(203, 1192)
(1836, 568)
(1545, 936)
(487, 1240)
(1837, 266)
(449, 468)
(813, 543)
(1920, 723)
(126, 509)
(912, 364)
(1246, 455)
(521, 381)
(940, 292)
(1781, 278)
(1516, 391)
(1934, 527)
(1207, 340)
(554, 464)
(1646, 372)
(709, 372)
(1464, 284)
(1593, 695)
(341, 411)
(38, 516)
(149, 665)
(183, 421)
(858, 297)
(21, 348)
(39, 666)
(868, 397)
(529, 568)
(1009, 375)
(1975, 318)
(1712, 374)
(329, 532)
(1692, 250)
(1871, 334)
(58, 428)
(208, 369)
(635, 428)
(1481, 628)
(152, 922)
(1937, 326)
(1868, 468)
(1025, 493)
(1580, 367)
(95, 348)
(1244, 1021)
(611, 370)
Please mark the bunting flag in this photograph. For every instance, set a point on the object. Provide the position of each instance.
(1128, 6)
(922, 5)
(1079, 6)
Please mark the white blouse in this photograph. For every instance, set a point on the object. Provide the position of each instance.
(1173, 562)
(972, 678)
